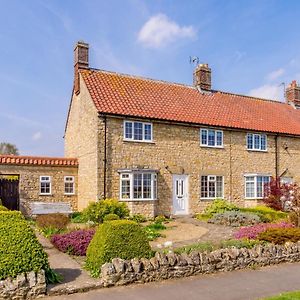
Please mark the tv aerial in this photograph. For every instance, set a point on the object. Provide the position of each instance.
(194, 60)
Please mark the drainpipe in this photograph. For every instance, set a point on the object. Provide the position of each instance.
(276, 157)
(105, 156)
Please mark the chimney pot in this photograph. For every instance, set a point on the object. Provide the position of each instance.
(202, 77)
(81, 61)
(292, 94)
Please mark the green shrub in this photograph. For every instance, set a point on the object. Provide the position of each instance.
(201, 247)
(121, 238)
(265, 213)
(111, 217)
(77, 217)
(96, 211)
(280, 235)
(235, 218)
(3, 208)
(219, 206)
(243, 243)
(139, 218)
(160, 219)
(203, 217)
(55, 221)
(20, 251)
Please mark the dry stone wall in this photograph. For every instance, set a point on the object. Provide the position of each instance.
(25, 286)
(121, 272)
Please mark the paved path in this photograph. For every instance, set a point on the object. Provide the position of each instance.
(74, 278)
(237, 285)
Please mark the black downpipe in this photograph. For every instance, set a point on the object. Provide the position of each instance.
(105, 157)
(276, 156)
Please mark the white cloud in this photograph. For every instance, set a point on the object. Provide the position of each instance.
(268, 91)
(37, 136)
(275, 74)
(159, 31)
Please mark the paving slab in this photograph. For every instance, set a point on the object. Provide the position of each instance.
(75, 279)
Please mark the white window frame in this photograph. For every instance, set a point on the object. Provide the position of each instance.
(211, 178)
(253, 143)
(216, 131)
(255, 185)
(144, 124)
(130, 178)
(72, 181)
(46, 181)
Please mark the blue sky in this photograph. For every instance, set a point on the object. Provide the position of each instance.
(251, 46)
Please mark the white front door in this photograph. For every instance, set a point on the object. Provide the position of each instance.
(180, 194)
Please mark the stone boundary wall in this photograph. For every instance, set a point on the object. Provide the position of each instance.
(121, 272)
(25, 286)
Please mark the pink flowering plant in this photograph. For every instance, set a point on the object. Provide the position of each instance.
(252, 232)
(74, 242)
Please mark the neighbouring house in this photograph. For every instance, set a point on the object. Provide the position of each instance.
(169, 148)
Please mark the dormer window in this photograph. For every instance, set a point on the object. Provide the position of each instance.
(137, 131)
(256, 142)
(211, 138)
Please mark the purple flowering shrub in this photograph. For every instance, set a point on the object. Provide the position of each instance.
(251, 232)
(74, 242)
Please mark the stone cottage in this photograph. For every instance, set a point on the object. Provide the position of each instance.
(168, 148)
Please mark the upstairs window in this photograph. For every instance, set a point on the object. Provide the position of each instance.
(45, 185)
(255, 186)
(137, 131)
(138, 186)
(69, 185)
(212, 187)
(211, 138)
(256, 142)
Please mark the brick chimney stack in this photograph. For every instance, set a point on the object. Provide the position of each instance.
(81, 61)
(202, 77)
(292, 94)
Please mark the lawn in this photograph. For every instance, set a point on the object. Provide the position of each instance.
(285, 296)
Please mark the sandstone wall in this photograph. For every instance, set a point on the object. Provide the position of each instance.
(82, 142)
(29, 183)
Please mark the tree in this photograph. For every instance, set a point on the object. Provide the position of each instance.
(7, 148)
(285, 197)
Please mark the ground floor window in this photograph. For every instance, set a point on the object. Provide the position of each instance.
(212, 187)
(138, 186)
(69, 185)
(255, 186)
(45, 185)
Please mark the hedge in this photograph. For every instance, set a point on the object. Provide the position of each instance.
(20, 251)
(120, 238)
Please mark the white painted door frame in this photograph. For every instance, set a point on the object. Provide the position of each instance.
(180, 195)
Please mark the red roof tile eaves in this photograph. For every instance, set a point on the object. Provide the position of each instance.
(41, 161)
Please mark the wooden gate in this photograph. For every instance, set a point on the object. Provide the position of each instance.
(9, 193)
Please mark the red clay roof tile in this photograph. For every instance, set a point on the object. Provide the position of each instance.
(34, 160)
(140, 97)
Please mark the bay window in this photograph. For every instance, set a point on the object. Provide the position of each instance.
(138, 186)
(255, 186)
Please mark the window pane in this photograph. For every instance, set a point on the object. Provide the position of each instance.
(257, 141)
(211, 189)
(137, 186)
(138, 131)
(211, 138)
(259, 186)
(219, 182)
(154, 186)
(204, 187)
(125, 189)
(147, 186)
(203, 136)
(250, 192)
(128, 130)
(147, 132)
(250, 141)
(219, 138)
(263, 142)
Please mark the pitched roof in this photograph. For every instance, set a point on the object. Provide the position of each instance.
(35, 160)
(121, 94)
